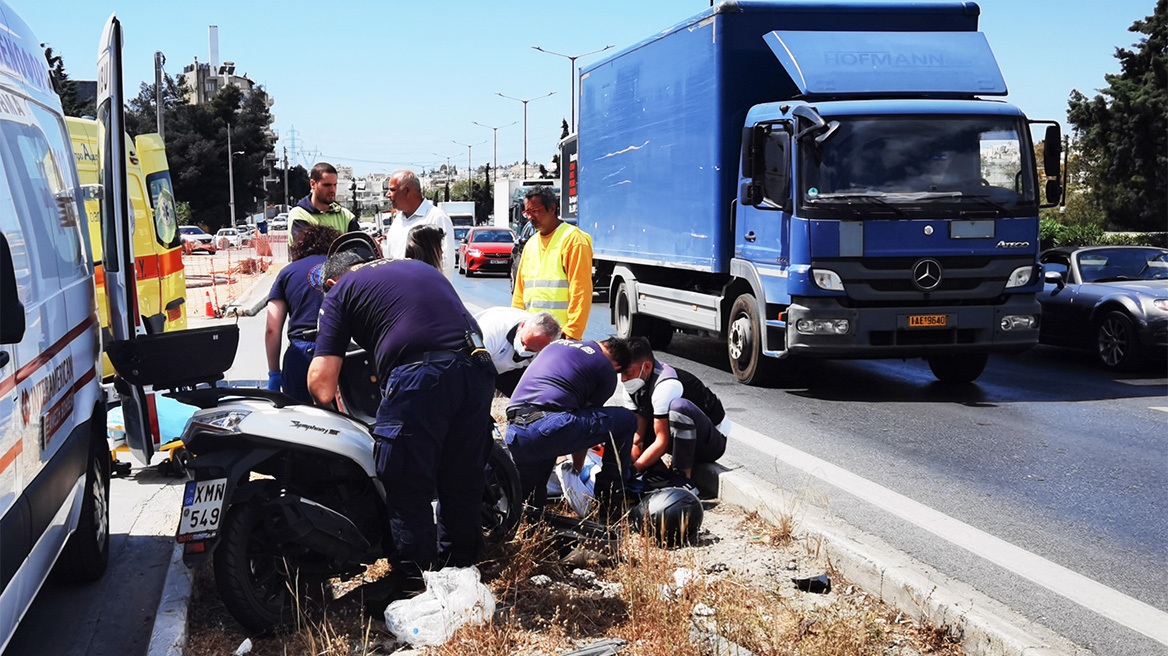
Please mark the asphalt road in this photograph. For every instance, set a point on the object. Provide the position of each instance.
(1046, 452)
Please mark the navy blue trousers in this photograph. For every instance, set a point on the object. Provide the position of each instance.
(297, 357)
(536, 447)
(433, 436)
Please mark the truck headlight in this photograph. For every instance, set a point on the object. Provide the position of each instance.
(1019, 322)
(1020, 277)
(226, 421)
(823, 326)
(827, 279)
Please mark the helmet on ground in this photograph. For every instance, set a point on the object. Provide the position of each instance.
(672, 515)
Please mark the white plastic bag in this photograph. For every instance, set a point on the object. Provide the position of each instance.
(454, 596)
(578, 488)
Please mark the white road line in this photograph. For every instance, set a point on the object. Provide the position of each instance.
(1143, 382)
(1092, 595)
(1158, 408)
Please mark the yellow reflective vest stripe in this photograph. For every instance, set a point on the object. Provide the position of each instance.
(545, 282)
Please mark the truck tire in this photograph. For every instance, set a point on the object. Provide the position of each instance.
(963, 368)
(1116, 345)
(744, 343)
(86, 554)
(628, 323)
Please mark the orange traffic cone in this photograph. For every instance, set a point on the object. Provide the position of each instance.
(210, 311)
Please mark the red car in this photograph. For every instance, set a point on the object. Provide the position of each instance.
(486, 249)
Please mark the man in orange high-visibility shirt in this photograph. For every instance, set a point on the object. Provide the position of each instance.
(555, 269)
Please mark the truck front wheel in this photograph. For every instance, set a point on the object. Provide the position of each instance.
(958, 368)
(744, 342)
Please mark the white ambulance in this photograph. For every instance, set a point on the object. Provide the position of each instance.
(54, 459)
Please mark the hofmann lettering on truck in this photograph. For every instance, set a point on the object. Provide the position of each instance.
(816, 180)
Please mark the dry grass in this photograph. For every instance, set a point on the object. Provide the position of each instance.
(546, 606)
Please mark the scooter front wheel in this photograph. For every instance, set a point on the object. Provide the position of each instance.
(502, 507)
(250, 573)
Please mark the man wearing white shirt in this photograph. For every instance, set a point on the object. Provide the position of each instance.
(413, 209)
(513, 336)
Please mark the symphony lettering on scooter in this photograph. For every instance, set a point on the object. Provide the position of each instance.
(319, 429)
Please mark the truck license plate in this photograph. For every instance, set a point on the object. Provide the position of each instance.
(927, 321)
(202, 509)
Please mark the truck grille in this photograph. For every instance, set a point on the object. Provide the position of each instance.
(889, 281)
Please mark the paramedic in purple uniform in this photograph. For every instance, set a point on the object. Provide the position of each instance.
(558, 409)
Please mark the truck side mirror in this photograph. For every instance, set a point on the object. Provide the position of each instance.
(12, 328)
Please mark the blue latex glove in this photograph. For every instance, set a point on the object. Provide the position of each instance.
(275, 381)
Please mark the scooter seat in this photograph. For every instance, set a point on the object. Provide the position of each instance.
(209, 397)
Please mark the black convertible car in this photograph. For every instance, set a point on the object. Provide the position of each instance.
(1112, 300)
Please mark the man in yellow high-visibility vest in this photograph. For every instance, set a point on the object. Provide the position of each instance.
(555, 268)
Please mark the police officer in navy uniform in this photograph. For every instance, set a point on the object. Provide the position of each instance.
(296, 296)
(433, 429)
(558, 409)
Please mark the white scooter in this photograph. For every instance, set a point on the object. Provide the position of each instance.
(284, 492)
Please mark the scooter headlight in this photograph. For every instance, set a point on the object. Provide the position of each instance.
(226, 421)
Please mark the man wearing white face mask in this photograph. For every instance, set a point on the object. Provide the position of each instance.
(676, 413)
(513, 336)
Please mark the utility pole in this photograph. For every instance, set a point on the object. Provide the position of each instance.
(447, 174)
(572, 59)
(495, 129)
(525, 122)
(159, 60)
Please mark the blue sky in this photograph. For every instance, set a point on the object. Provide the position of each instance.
(380, 85)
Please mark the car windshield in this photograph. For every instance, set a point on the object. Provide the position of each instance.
(1119, 264)
(496, 236)
(188, 230)
(898, 165)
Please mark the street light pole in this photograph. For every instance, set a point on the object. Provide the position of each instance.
(550, 93)
(468, 163)
(447, 174)
(230, 180)
(572, 59)
(495, 129)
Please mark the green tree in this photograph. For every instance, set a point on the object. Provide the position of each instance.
(66, 88)
(298, 186)
(1123, 131)
(196, 146)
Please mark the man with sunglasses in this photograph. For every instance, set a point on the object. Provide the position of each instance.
(555, 269)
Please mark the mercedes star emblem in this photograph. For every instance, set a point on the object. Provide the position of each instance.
(927, 274)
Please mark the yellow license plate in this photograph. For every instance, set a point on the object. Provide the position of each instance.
(927, 321)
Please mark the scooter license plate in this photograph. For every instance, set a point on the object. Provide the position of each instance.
(202, 509)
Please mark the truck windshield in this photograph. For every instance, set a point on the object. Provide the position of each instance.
(901, 166)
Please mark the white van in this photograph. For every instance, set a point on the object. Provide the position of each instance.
(54, 458)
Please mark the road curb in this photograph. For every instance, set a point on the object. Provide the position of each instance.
(986, 626)
(169, 637)
(253, 301)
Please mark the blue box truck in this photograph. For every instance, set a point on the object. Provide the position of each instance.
(816, 179)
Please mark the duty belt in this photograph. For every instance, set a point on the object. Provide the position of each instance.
(527, 414)
(431, 356)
